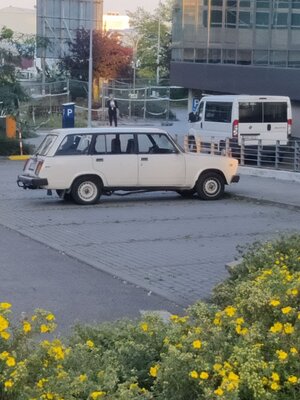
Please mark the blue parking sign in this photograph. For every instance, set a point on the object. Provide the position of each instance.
(68, 117)
(195, 104)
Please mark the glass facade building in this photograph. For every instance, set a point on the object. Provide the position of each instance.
(246, 38)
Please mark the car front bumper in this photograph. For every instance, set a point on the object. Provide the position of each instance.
(235, 179)
(29, 182)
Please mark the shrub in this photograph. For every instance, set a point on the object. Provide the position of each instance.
(243, 346)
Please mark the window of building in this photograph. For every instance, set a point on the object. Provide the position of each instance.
(201, 55)
(177, 54)
(294, 59)
(282, 3)
(243, 57)
(262, 3)
(231, 3)
(188, 54)
(244, 3)
(262, 19)
(218, 112)
(214, 3)
(230, 19)
(261, 57)
(229, 56)
(216, 18)
(245, 19)
(280, 20)
(214, 56)
(278, 58)
(295, 3)
(295, 23)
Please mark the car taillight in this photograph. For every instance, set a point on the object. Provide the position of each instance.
(235, 128)
(289, 126)
(38, 167)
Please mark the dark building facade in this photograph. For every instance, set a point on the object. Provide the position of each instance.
(237, 46)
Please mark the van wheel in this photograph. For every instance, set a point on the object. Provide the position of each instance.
(210, 186)
(86, 190)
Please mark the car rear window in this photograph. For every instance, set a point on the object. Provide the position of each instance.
(46, 144)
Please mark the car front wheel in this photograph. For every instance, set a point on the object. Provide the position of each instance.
(86, 190)
(210, 186)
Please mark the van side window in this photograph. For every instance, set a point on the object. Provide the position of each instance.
(218, 111)
(275, 112)
(250, 112)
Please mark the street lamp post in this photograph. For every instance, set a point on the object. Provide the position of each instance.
(90, 84)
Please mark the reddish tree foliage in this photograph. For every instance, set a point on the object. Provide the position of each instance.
(111, 59)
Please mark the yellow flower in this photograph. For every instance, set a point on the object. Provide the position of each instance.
(275, 386)
(5, 335)
(274, 303)
(174, 318)
(97, 395)
(292, 292)
(82, 378)
(4, 355)
(230, 311)
(10, 362)
(293, 350)
(44, 328)
(144, 327)
(154, 370)
(133, 386)
(203, 375)
(90, 343)
(57, 352)
(5, 306)
(286, 310)
(194, 374)
(8, 384)
(4, 324)
(282, 355)
(40, 384)
(288, 328)
(277, 327)
(50, 317)
(233, 377)
(26, 327)
(217, 321)
(219, 392)
(275, 377)
(217, 367)
(197, 344)
(239, 321)
(292, 379)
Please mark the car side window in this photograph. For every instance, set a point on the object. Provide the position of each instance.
(75, 144)
(100, 145)
(120, 143)
(158, 143)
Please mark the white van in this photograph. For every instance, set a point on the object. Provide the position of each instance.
(243, 118)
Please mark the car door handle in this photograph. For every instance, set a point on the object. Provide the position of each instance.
(144, 159)
(99, 159)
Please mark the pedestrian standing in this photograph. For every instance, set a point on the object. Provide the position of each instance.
(112, 106)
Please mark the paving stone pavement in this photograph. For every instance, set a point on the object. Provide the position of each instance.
(171, 246)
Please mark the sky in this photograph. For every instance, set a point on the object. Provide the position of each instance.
(109, 5)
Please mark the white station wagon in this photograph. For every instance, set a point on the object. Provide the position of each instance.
(84, 163)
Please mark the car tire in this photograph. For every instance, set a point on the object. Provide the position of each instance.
(86, 190)
(187, 194)
(210, 186)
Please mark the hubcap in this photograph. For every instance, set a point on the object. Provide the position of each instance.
(87, 191)
(211, 187)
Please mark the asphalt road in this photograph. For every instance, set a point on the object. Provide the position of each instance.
(123, 255)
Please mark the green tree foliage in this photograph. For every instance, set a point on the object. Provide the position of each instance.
(11, 91)
(153, 33)
(111, 60)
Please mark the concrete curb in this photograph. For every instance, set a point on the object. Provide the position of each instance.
(270, 173)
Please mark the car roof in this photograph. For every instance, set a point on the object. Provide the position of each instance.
(106, 130)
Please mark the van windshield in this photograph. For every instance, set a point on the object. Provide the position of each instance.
(46, 144)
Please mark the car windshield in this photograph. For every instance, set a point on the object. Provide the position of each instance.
(44, 147)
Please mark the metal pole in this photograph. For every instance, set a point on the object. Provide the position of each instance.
(90, 84)
(158, 53)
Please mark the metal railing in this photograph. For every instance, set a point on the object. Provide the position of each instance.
(260, 153)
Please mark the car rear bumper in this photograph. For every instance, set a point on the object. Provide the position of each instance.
(235, 179)
(29, 182)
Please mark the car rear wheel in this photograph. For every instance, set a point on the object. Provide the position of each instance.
(210, 186)
(86, 190)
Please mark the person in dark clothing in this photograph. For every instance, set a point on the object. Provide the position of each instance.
(112, 106)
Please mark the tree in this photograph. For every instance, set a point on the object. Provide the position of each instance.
(111, 60)
(154, 39)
